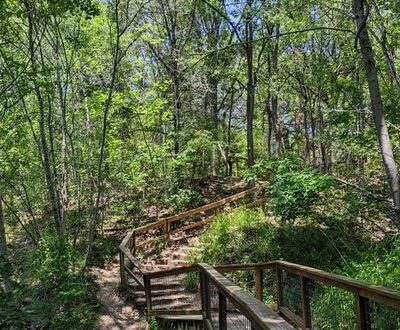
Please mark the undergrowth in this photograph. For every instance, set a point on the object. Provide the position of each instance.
(315, 222)
(54, 293)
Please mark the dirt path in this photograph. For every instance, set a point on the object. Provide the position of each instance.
(116, 313)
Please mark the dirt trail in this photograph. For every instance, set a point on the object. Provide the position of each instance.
(116, 312)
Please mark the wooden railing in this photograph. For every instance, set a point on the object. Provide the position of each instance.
(303, 285)
(251, 309)
(222, 304)
(294, 291)
(140, 238)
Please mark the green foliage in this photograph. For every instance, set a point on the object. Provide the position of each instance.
(52, 262)
(184, 198)
(191, 282)
(62, 297)
(89, 7)
(245, 236)
(295, 189)
(153, 323)
(12, 315)
(333, 308)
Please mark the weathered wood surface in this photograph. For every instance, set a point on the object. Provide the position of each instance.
(259, 314)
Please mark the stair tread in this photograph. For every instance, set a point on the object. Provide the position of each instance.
(167, 297)
(181, 317)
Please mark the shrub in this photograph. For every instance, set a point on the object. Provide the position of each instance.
(184, 198)
(238, 236)
(62, 299)
(295, 190)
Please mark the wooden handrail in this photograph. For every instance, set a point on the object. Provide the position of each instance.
(254, 310)
(377, 293)
(362, 291)
(198, 210)
(129, 244)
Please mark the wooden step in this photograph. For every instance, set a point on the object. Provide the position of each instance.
(174, 305)
(162, 292)
(165, 299)
(181, 322)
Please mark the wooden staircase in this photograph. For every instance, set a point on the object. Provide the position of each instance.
(172, 294)
(198, 296)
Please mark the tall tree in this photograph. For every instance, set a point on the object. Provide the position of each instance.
(5, 266)
(385, 145)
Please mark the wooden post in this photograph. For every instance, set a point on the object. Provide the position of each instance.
(222, 312)
(205, 296)
(305, 301)
(362, 311)
(259, 284)
(167, 227)
(279, 294)
(133, 244)
(122, 267)
(147, 290)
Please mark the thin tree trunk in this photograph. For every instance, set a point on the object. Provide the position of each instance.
(213, 101)
(50, 180)
(250, 86)
(5, 265)
(376, 101)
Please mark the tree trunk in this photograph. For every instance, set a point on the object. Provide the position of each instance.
(250, 87)
(213, 102)
(50, 180)
(376, 101)
(5, 266)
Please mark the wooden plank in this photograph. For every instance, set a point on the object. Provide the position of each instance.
(125, 242)
(305, 302)
(260, 315)
(175, 231)
(222, 311)
(122, 267)
(134, 261)
(292, 317)
(173, 312)
(173, 271)
(362, 312)
(206, 297)
(137, 279)
(259, 284)
(279, 293)
(247, 266)
(187, 318)
(147, 290)
(208, 324)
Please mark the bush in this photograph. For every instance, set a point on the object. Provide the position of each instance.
(234, 237)
(295, 190)
(184, 198)
(12, 315)
(62, 299)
